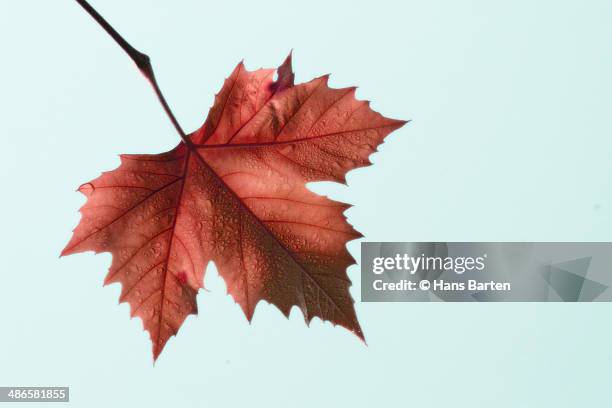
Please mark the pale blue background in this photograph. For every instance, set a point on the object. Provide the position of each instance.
(510, 140)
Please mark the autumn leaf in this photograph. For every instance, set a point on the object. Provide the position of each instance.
(233, 192)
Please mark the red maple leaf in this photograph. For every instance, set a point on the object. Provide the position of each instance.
(233, 192)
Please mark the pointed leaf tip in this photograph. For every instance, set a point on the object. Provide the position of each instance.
(285, 74)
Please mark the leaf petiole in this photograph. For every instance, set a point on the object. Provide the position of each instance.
(142, 61)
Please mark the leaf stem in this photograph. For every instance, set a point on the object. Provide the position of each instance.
(142, 61)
